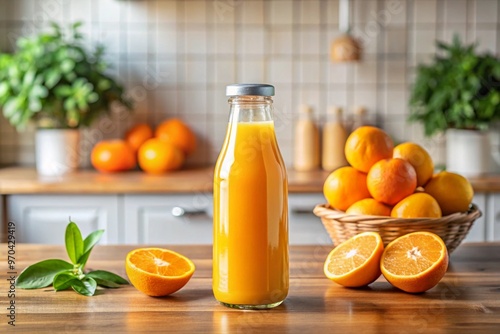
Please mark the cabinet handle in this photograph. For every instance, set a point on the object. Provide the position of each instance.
(178, 211)
(301, 211)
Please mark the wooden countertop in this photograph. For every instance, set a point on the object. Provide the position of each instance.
(19, 180)
(467, 299)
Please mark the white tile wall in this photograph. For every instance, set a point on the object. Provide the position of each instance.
(175, 58)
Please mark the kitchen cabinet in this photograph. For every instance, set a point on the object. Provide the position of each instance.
(187, 219)
(43, 218)
(168, 219)
(178, 218)
(143, 219)
(305, 228)
(493, 217)
(478, 231)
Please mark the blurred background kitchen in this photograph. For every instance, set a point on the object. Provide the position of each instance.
(176, 57)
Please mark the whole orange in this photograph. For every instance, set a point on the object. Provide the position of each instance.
(177, 132)
(419, 158)
(366, 145)
(369, 206)
(417, 205)
(112, 156)
(391, 180)
(137, 135)
(345, 186)
(452, 191)
(157, 156)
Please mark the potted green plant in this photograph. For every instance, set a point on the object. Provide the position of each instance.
(459, 94)
(53, 81)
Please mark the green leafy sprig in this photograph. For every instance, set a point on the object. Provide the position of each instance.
(63, 275)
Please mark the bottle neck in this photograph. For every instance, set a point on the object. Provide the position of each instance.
(250, 108)
(335, 115)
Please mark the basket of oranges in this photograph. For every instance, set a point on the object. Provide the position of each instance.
(394, 191)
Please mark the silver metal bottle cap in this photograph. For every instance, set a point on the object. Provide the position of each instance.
(250, 89)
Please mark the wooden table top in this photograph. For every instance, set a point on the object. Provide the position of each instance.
(467, 299)
(23, 180)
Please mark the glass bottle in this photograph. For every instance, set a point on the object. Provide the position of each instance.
(306, 155)
(250, 249)
(359, 117)
(334, 139)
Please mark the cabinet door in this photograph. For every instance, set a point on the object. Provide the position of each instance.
(478, 231)
(168, 219)
(493, 218)
(305, 228)
(43, 218)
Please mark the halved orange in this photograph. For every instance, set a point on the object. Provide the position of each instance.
(157, 271)
(356, 261)
(415, 262)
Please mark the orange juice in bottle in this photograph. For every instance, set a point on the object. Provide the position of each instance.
(250, 250)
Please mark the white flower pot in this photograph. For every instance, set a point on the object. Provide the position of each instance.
(57, 151)
(468, 152)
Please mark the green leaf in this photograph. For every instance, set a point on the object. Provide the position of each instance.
(52, 78)
(88, 244)
(103, 84)
(92, 239)
(41, 274)
(63, 91)
(69, 104)
(11, 107)
(93, 97)
(106, 278)
(63, 280)
(29, 77)
(4, 89)
(74, 242)
(86, 286)
(76, 25)
(67, 65)
(106, 284)
(39, 91)
(35, 104)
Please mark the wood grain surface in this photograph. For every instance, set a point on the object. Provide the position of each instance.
(467, 300)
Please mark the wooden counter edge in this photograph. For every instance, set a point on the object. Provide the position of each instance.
(24, 180)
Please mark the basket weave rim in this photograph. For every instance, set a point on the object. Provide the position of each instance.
(324, 211)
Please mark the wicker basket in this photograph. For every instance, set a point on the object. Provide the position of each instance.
(452, 228)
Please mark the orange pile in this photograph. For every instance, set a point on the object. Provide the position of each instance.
(392, 178)
(156, 152)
